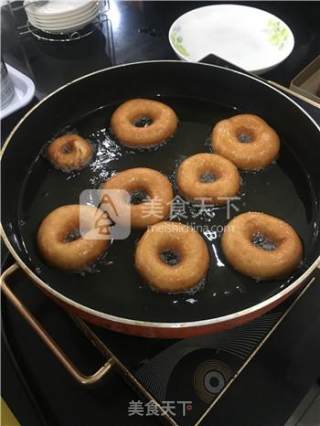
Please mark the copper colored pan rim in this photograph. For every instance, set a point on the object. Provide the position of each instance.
(163, 329)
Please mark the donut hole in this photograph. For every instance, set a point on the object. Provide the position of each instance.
(68, 147)
(170, 257)
(73, 235)
(143, 121)
(245, 135)
(207, 177)
(139, 196)
(263, 241)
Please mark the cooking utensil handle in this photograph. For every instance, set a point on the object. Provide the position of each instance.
(47, 339)
(217, 60)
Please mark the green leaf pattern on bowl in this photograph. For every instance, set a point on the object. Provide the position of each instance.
(277, 33)
(177, 41)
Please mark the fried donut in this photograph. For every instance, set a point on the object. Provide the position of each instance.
(70, 152)
(246, 140)
(261, 246)
(151, 194)
(172, 257)
(208, 176)
(143, 123)
(59, 240)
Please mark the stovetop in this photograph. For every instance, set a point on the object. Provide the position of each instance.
(256, 375)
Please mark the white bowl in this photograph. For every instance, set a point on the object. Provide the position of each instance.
(250, 38)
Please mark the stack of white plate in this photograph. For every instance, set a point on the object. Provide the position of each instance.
(61, 16)
(7, 89)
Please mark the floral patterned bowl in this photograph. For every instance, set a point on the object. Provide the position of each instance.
(250, 38)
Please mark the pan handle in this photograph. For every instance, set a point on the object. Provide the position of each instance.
(48, 340)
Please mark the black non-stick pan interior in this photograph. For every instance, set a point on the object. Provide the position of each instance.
(286, 189)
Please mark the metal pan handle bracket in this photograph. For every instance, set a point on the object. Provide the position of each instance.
(48, 340)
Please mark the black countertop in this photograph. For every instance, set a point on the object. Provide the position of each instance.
(140, 31)
(288, 365)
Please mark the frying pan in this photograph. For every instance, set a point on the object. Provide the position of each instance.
(112, 294)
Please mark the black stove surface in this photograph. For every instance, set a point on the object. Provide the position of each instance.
(188, 376)
(194, 374)
(272, 385)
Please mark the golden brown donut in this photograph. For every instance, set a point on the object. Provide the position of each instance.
(185, 243)
(163, 123)
(54, 232)
(193, 182)
(70, 152)
(246, 140)
(154, 184)
(261, 246)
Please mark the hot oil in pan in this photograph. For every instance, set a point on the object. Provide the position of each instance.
(112, 285)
